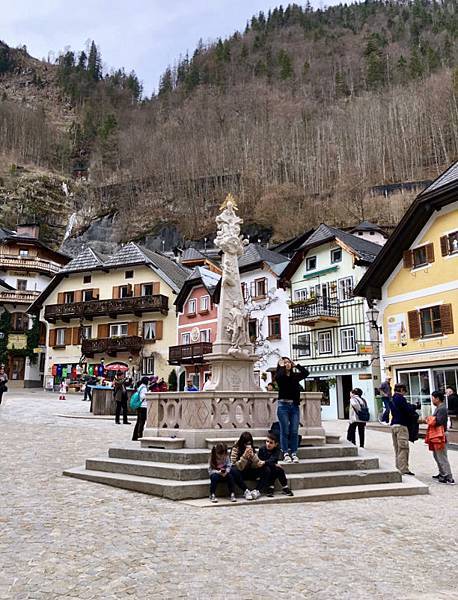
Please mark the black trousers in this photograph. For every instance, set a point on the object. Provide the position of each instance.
(1, 396)
(140, 424)
(351, 433)
(122, 404)
(87, 393)
(217, 478)
(276, 472)
(262, 474)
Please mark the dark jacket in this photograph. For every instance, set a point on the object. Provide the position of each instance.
(402, 412)
(288, 385)
(452, 404)
(270, 457)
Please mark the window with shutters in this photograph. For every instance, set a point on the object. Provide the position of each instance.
(147, 289)
(420, 258)
(274, 327)
(449, 244)
(149, 330)
(60, 337)
(88, 295)
(125, 291)
(430, 321)
(69, 297)
(86, 332)
(118, 329)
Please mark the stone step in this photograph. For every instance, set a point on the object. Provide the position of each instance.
(192, 472)
(327, 451)
(185, 456)
(307, 440)
(162, 442)
(181, 490)
(332, 438)
(411, 487)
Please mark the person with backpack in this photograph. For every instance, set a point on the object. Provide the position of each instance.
(142, 388)
(358, 417)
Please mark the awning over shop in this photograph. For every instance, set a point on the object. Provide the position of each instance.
(347, 366)
(319, 273)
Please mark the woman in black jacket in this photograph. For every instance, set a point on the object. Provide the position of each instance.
(289, 397)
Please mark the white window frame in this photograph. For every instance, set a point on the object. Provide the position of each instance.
(148, 365)
(342, 288)
(149, 330)
(325, 348)
(192, 306)
(344, 346)
(302, 352)
(116, 329)
(205, 335)
(186, 338)
(60, 336)
(301, 294)
(91, 292)
(23, 253)
(143, 290)
(72, 295)
(204, 303)
(87, 328)
(307, 260)
(332, 255)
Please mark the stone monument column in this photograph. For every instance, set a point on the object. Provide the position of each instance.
(232, 358)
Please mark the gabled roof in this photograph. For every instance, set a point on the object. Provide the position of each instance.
(191, 254)
(255, 254)
(87, 260)
(367, 226)
(442, 192)
(198, 276)
(9, 236)
(364, 250)
(6, 233)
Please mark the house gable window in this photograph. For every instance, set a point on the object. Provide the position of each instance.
(192, 307)
(419, 257)
(336, 255)
(204, 304)
(23, 252)
(129, 274)
(310, 263)
(87, 279)
(449, 244)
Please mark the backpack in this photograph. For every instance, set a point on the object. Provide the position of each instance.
(363, 413)
(135, 400)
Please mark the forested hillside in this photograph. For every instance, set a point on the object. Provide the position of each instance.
(302, 113)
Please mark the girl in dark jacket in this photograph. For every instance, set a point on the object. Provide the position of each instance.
(289, 398)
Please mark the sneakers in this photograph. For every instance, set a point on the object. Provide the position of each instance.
(447, 480)
(255, 494)
(287, 458)
(213, 498)
(409, 473)
(287, 491)
(248, 495)
(270, 492)
(436, 476)
(233, 498)
(294, 458)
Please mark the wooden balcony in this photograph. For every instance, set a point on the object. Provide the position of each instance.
(19, 297)
(29, 263)
(312, 312)
(112, 346)
(189, 353)
(136, 305)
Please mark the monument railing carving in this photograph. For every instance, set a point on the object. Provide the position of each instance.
(224, 410)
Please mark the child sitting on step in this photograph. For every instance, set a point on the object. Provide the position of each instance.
(219, 469)
(270, 453)
(246, 465)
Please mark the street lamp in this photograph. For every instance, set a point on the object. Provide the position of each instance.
(372, 316)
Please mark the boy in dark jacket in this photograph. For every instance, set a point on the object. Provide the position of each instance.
(270, 453)
(403, 414)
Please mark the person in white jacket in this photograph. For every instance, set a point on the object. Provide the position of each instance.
(357, 404)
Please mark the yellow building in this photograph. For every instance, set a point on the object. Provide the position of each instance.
(105, 311)
(414, 283)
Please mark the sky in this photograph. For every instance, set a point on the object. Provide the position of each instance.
(143, 35)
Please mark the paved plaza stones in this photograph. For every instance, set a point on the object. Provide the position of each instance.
(64, 538)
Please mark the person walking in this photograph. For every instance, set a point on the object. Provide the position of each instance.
(120, 396)
(358, 406)
(385, 390)
(3, 382)
(142, 388)
(402, 415)
(437, 440)
(288, 376)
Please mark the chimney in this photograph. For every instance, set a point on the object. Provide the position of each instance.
(31, 230)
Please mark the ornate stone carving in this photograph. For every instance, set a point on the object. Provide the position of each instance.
(238, 329)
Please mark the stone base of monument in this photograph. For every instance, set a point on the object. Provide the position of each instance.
(171, 460)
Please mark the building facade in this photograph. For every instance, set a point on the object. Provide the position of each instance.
(329, 331)
(414, 285)
(196, 327)
(267, 305)
(105, 312)
(26, 268)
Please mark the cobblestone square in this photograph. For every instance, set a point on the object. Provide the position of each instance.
(64, 538)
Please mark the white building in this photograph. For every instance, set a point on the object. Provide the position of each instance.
(329, 330)
(267, 305)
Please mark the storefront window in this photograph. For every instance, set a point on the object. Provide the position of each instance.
(418, 389)
(446, 377)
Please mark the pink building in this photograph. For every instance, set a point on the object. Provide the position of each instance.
(197, 317)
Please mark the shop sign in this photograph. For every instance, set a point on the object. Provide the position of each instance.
(397, 332)
(365, 376)
(365, 349)
(17, 341)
